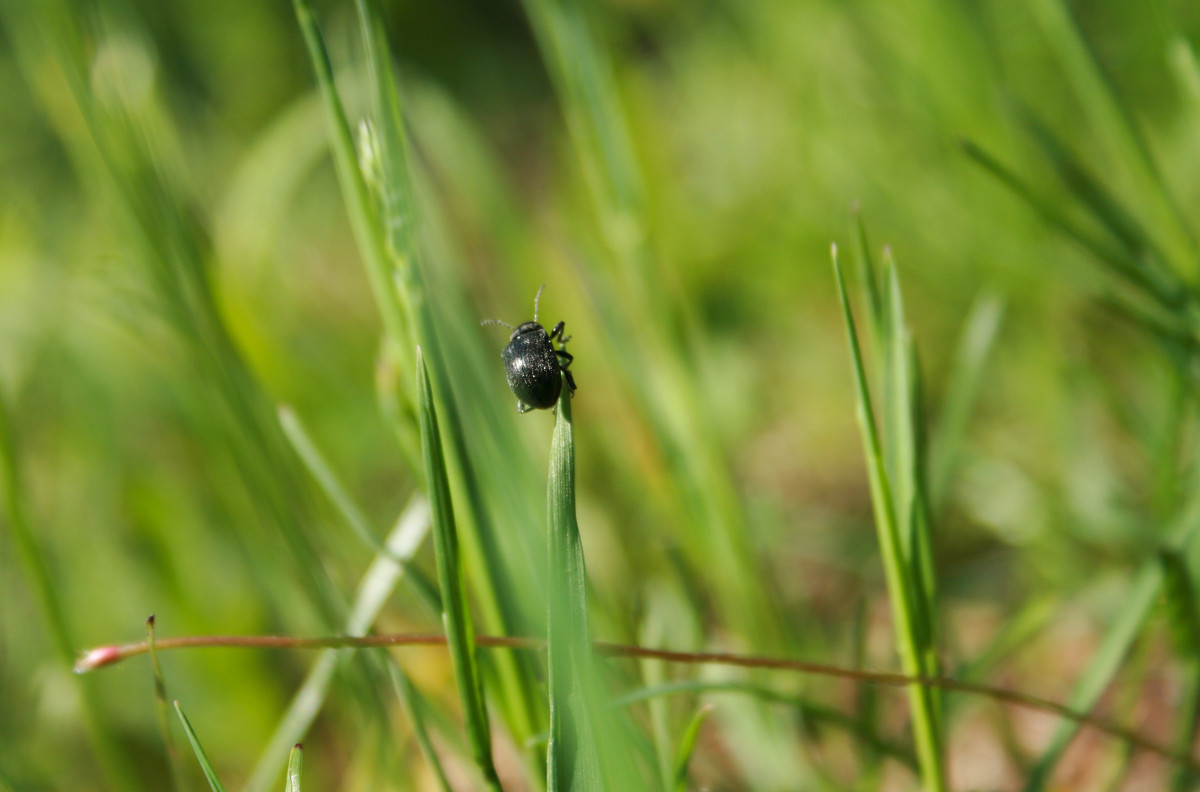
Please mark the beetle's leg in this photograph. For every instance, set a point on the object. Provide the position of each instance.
(570, 379)
(558, 331)
(562, 353)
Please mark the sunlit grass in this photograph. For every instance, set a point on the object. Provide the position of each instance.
(176, 262)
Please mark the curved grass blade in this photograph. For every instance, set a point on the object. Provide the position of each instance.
(455, 614)
(210, 774)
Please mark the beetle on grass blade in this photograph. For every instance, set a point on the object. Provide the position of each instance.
(532, 363)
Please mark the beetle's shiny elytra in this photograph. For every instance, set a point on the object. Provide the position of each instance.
(532, 363)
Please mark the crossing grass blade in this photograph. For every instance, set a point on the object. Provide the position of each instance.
(904, 587)
(214, 783)
(377, 585)
(328, 481)
(456, 616)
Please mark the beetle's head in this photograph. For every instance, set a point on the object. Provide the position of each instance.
(527, 327)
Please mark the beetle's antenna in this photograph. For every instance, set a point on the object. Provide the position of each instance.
(535, 301)
(496, 321)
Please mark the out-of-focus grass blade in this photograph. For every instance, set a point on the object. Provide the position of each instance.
(455, 614)
(362, 211)
(161, 710)
(1103, 667)
(1184, 617)
(1138, 244)
(1115, 259)
(294, 766)
(687, 746)
(329, 483)
(1127, 625)
(1106, 114)
(1182, 609)
(811, 711)
(902, 587)
(373, 593)
(979, 333)
(868, 280)
(116, 765)
(571, 761)
(414, 708)
(214, 783)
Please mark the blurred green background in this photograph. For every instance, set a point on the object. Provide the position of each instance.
(755, 127)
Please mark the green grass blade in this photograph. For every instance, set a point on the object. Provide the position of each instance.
(373, 593)
(571, 761)
(1184, 617)
(979, 333)
(414, 708)
(1105, 662)
(811, 711)
(210, 774)
(1138, 244)
(314, 461)
(360, 204)
(294, 766)
(1107, 114)
(117, 766)
(901, 587)
(868, 278)
(687, 746)
(162, 711)
(456, 616)
(1127, 269)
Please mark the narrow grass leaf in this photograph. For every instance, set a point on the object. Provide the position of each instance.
(1184, 618)
(571, 761)
(812, 712)
(314, 461)
(360, 204)
(868, 280)
(1182, 610)
(162, 711)
(210, 774)
(414, 708)
(373, 593)
(294, 766)
(1139, 246)
(117, 766)
(687, 746)
(979, 333)
(456, 616)
(902, 588)
(1105, 662)
(1106, 114)
(1119, 263)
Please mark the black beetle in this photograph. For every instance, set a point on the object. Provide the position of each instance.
(533, 364)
